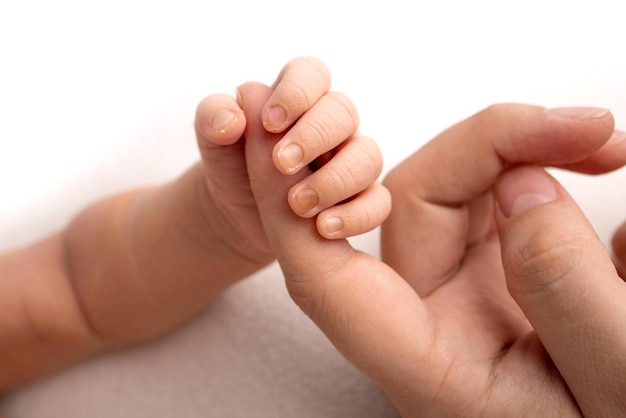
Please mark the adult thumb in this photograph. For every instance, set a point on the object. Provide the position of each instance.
(564, 280)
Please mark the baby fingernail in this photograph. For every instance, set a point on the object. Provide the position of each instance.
(223, 120)
(580, 113)
(332, 225)
(305, 200)
(290, 157)
(275, 117)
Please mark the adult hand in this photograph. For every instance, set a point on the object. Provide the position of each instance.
(557, 271)
(436, 326)
(303, 86)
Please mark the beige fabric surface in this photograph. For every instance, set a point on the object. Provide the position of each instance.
(251, 354)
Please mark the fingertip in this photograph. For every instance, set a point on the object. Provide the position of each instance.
(219, 120)
(609, 157)
(579, 113)
(617, 138)
(274, 118)
(304, 201)
(238, 96)
(299, 85)
(288, 157)
(331, 227)
(226, 126)
(357, 216)
(523, 188)
(548, 247)
(561, 275)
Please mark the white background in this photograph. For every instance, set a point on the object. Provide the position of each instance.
(96, 97)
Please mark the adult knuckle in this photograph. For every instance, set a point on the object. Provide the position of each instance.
(310, 291)
(494, 110)
(545, 263)
(490, 116)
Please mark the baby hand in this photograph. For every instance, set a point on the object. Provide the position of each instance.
(320, 130)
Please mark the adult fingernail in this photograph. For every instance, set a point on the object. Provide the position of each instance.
(305, 200)
(223, 120)
(617, 138)
(275, 117)
(290, 157)
(524, 188)
(332, 225)
(580, 113)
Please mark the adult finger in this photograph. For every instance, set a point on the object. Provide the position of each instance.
(565, 282)
(432, 189)
(300, 84)
(619, 250)
(357, 301)
(611, 156)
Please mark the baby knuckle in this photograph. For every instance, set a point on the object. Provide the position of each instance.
(311, 64)
(303, 80)
(344, 106)
(371, 155)
(318, 68)
(320, 133)
(343, 177)
(299, 95)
